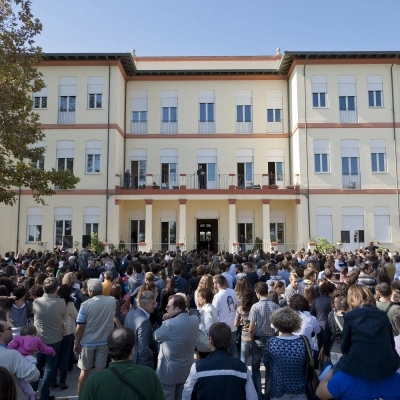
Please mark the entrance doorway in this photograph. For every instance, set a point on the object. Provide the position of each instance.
(207, 234)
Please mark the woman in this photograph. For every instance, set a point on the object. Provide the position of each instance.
(334, 328)
(285, 356)
(20, 312)
(367, 339)
(242, 319)
(310, 294)
(208, 315)
(309, 324)
(65, 292)
(169, 290)
(125, 300)
(206, 281)
(116, 292)
(279, 288)
(241, 285)
(8, 389)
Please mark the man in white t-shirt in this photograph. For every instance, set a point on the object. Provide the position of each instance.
(225, 302)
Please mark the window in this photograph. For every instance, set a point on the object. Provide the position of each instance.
(382, 224)
(375, 89)
(91, 228)
(347, 103)
(91, 220)
(95, 91)
(378, 156)
(277, 232)
(274, 115)
(244, 165)
(350, 165)
(168, 235)
(351, 178)
(319, 91)
(67, 100)
(169, 111)
(39, 164)
(34, 224)
(347, 99)
(65, 153)
(169, 114)
(139, 116)
(243, 113)
(206, 112)
(139, 111)
(93, 152)
(324, 223)
(321, 156)
(63, 224)
(169, 168)
(40, 98)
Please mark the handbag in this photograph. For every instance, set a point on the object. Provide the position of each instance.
(202, 343)
(312, 380)
(124, 380)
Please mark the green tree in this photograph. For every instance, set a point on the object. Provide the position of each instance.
(96, 244)
(19, 124)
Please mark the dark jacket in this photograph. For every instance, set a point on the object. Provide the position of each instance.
(320, 308)
(368, 345)
(252, 278)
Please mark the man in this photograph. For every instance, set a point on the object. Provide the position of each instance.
(49, 314)
(223, 267)
(365, 277)
(225, 302)
(14, 362)
(385, 304)
(92, 272)
(201, 176)
(390, 268)
(83, 258)
(219, 376)
(127, 178)
(95, 321)
(137, 278)
(260, 330)
(242, 241)
(107, 284)
(372, 248)
(137, 382)
(177, 337)
(251, 276)
(138, 321)
(109, 266)
(181, 284)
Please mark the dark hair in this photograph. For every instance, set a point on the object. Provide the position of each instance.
(120, 343)
(384, 289)
(299, 303)
(3, 290)
(19, 292)
(40, 278)
(383, 276)
(248, 299)
(273, 296)
(116, 291)
(7, 282)
(64, 292)
(178, 302)
(28, 330)
(206, 294)
(220, 334)
(36, 290)
(8, 389)
(327, 288)
(261, 288)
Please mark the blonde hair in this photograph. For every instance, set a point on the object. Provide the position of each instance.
(69, 279)
(206, 281)
(360, 295)
(293, 277)
(149, 276)
(240, 287)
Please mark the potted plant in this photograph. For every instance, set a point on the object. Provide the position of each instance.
(155, 186)
(256, 187)
(142, 186)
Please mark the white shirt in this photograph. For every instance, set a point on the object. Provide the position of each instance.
(229, 278)
(225, 302)
(309, 324)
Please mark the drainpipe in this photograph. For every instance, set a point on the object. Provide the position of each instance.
(18, 218)
(289, 127)
(126, 88)
(108, 144)
(306, 133)
(395, 143)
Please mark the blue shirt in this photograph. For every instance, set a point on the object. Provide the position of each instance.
(343, 386)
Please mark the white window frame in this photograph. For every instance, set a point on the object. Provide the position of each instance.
(319, 86)
(378, 147)
(274, 110)
(93, 156)
(95, 101)
(34, 220)
(375, 84)
(321, 147)
(41, 96)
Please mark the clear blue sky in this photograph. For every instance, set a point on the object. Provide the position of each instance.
(217, 27)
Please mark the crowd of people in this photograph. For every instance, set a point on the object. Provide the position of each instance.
(136, 322)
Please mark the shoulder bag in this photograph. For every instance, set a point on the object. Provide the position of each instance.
(312, 380)
(122, 379)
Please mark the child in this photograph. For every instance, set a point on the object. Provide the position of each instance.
(28, 344)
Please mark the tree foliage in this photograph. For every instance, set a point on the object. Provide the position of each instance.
(19, 124)
(96, 244)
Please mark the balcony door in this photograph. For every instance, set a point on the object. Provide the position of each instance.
(169, 177)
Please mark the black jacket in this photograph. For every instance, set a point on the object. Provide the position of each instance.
(368, 345)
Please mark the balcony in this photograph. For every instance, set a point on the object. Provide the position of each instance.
(210, 181)
(351, 181)
(348, 116)
(244, 127)
(66, 117)
(206, 127)
(275, 127)
(138, 127)
(169, 127)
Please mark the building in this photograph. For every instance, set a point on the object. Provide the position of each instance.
(291, 147)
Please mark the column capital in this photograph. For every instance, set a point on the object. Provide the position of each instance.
(182, 201)
(117, 202)
(148, 201)
(232, 201)
(297, 201)
(265, 201)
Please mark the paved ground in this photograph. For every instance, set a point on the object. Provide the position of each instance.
(72, 381)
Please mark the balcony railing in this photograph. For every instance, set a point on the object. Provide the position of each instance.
(66, 117)
(275, 127)
(351, 181)
(244, 127)
(138, 127)
(135, 182)
(169, 127)
(252, 247)
(206, 127)
(348, 116)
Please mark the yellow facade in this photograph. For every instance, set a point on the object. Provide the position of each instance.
(278, 168)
